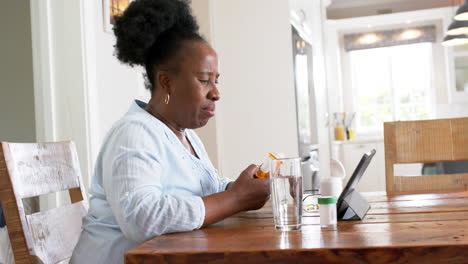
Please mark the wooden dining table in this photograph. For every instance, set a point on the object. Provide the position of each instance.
(405, 228)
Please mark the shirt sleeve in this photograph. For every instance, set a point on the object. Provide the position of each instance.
(223, 182)
(134, 190)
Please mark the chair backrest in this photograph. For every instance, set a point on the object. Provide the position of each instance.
(34, 169)
(425, 141)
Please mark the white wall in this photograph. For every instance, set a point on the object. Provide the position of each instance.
(17, 115)
(257, 111)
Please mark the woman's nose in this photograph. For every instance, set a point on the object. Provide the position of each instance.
(214, 93)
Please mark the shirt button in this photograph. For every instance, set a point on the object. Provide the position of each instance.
(126, 194)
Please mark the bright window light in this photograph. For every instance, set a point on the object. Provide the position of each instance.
(391, 83)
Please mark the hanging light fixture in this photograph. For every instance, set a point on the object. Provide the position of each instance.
(455, 40)
(462, 12)
(458, 28)
(457, 32)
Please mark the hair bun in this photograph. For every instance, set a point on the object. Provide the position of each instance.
(139, 27)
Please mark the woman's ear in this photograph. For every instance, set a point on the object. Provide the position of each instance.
(164, 81)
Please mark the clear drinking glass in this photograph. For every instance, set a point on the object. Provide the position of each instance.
(286, 193)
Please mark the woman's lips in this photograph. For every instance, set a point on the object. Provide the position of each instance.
(210, 110)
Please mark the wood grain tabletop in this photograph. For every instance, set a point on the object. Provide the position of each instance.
(412, 228)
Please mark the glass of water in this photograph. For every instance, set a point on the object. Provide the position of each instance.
(286, 193)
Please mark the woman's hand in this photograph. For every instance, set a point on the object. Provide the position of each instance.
(252, 193)
(246, 193)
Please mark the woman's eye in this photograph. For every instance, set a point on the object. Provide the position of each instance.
(206, 82)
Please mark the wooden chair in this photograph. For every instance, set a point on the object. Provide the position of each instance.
(425, 141)
(30, 170)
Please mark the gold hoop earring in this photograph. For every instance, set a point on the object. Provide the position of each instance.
(166, 100)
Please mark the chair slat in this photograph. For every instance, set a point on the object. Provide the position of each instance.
(55, 237)
(428, 183)
(39, 169)
(423, 141)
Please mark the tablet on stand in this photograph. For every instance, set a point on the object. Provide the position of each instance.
(351, 204)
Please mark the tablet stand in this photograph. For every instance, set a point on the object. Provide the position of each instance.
(353, 207)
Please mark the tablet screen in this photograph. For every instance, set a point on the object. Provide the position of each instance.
(357, 174)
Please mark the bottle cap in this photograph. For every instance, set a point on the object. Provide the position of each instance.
(327, 200)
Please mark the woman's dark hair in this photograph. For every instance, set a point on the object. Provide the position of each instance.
(151, 32)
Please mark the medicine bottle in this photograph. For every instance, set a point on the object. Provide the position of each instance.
(264, 168)
(327, 212)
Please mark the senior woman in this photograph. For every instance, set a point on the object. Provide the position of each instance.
(153, 175)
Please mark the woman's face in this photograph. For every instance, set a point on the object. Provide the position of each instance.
(193, 88)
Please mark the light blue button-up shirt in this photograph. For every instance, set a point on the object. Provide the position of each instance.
(145, 184)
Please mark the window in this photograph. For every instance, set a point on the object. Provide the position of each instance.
(391, 83)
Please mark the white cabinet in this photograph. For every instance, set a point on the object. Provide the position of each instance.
(350, 153)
